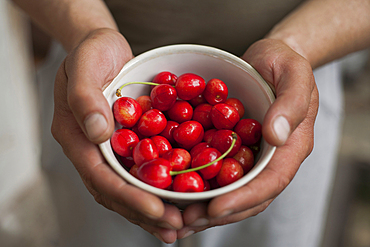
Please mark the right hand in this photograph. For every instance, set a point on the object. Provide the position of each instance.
(83, 119)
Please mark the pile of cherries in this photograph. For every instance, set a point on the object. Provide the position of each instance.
(186, 136)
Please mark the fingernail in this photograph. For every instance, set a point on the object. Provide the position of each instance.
(95, 125)
(191, 232)
(200, 222)
(281, 128)
(225, 213)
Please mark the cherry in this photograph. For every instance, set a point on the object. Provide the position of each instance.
(152, 123)
(213, 183)
(207, 185)
(179, 159)
(168, 131)
(198, 148)
(133, 171)
(126, 111)
(202, 114)
(181, 111)
(224, 116)
(163, 97)
(123, 141)
(162, 144)
(237, 104)
(222, 140)
(255, 148)
(156, 172)
(144, 150)
(188, 134)
(206, 156)
(145, 102)
(165, 77)
(215, 92)
(137, 132)
(189, 86)
(230, 172)
(198, 100)
(245, 157)
(249, 130)
(188, 182)
(128, 162)
(208, 135)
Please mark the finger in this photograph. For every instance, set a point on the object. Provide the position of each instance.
(171, 219)
(89, 68)
(196, 214)
(294, 82)
(167, 236)
(229, 219)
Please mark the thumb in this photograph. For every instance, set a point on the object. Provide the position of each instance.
(89, 68)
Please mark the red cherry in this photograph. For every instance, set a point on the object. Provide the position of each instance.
(181, 111)
(213, 183)
(126, 111)
(179, 159)
(144, 151)
(255, 148)
(207, 185)
(189, 86)
(215, 92)
(155, 172)
(245, 157)
(208, 135)
(202, 114)
(145, 102)
(206, 156)
(165, 77)
(137, 132)
(237, 104)
(152, 123)
(222, 140)
(188, 134)
(224, 116)
(127, 162)
(249, 130)
(188, 182)
(133, 171)
(198, 148)
(198, 100)
(163, 97)
(162, 144)
(230, 172)
(123, 141)
(168, 131)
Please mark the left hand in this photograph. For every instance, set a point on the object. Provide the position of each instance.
(288, 124)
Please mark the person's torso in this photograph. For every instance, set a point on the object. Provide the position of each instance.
(230, 25)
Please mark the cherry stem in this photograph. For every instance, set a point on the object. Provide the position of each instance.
(118, 91)
(235, 137)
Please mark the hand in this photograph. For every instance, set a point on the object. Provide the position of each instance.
(83, 118)
(288, 124)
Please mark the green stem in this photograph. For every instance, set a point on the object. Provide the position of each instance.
(235, 137)
(118, 91)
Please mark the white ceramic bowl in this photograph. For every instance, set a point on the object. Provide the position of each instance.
(243, 82)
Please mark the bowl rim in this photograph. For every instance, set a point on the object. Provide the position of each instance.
(203, 50)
